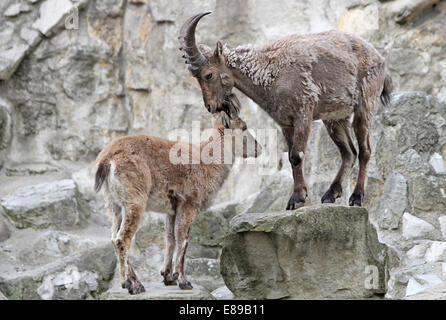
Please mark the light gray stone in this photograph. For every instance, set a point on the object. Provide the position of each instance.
(32, 37)
(82, 274)
(10, 59)
(4, 231)
(394, 201)
(204, 272)
(52, 13)
(437, 292)
(442, 221)
(68, 284)
(422, 283)
(13, 10)
(438, 163)
(5, 129)
(436, 252)
(307, 253)
(44, 205)
(222, 293)
(418, 251)
(416, 228)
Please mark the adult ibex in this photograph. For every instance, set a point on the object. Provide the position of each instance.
(137, 174)
(296, 80)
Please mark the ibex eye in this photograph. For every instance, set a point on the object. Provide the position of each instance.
(208, 76)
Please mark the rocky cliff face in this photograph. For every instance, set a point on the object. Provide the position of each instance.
(75, 74)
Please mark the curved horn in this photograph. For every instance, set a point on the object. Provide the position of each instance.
(188, 45)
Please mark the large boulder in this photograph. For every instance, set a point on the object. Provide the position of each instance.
(44, 205)
(323, 251)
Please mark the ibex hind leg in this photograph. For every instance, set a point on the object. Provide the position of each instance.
(361, 126)
(183, 221)
(129, 225)
(339, 132)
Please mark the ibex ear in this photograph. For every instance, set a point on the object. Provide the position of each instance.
(218, 50)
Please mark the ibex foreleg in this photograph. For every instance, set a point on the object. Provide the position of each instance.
(297, 138)
(361, 126)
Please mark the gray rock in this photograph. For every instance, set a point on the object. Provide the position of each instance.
(323, 251)
(421, 283)
(32, 37)
(158, 291)
(414, 279)
(437, 292)
(204, 272)
(13, 10)
(4, 231)
(393, 202)
(408, 10)
(68, 284)
(52, 13)
(17, 8)
(438, 163)
(416, 228)
(5, 129)
(436, 252)
(442, 221)
(29, 169)
(222, 293)
(84, 274)
(44, 205)
(10, 59)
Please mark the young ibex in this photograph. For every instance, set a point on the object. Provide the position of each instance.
(296, 80)
(137, 175)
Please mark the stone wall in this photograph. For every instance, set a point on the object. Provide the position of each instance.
(64, 93)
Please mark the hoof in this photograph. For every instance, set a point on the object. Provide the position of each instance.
(355, 200)
(295, 202)
(137, 288)
(185, 285)
(168, 280)
(126, 284)
(328, 197)
(133, 287)
(332, 194)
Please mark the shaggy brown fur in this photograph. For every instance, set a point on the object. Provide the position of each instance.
(296, 80)
(138, 175)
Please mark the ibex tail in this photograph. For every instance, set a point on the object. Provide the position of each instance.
(101, 175)
(387, 89)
